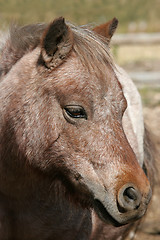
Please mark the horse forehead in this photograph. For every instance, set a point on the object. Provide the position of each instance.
(75, 75)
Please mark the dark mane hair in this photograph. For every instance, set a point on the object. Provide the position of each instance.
(150, 157)
(19, 41)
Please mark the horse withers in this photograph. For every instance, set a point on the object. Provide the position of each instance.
(69, 166)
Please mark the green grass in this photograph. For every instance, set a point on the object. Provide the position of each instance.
(82, 11)
(149, 96)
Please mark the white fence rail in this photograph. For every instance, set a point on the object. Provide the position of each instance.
(145, 78)
(141, 78)
(136, 38)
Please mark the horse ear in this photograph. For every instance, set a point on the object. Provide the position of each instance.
(107, 29)
(56, 44)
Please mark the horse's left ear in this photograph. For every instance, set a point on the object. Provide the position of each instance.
(56, 43)
(107, 29)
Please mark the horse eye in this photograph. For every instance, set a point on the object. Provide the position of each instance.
(75, 111)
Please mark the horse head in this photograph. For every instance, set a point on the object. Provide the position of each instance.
(66, 112)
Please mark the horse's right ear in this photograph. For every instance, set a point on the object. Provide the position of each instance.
(107, 29)
(56, 43)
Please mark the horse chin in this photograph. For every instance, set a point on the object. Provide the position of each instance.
(104, 215)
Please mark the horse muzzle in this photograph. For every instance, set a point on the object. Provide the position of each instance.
(129, 205)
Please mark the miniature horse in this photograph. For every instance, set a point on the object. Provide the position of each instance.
(69, 166)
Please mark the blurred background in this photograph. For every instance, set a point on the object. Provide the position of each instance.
(135, 47)
(135, 15)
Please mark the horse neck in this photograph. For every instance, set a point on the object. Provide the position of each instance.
(51, 210)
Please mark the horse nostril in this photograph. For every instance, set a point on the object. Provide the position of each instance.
(129, 197)
(130, 194)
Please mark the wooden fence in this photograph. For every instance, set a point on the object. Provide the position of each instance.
(141, 78)
(136, 38)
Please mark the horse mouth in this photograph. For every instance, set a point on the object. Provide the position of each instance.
(104, 215)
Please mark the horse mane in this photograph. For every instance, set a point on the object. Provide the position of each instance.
(150, 157)
(22, 40)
